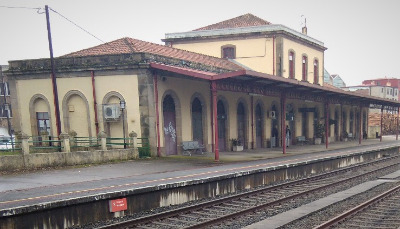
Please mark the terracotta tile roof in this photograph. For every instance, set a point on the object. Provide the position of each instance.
(246, 20)
(331, 86)
(129, 45)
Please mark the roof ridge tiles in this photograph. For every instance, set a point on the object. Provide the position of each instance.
(245, 20)
(127, 45)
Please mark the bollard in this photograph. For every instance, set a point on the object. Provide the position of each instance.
(64, 137)
(103, 139)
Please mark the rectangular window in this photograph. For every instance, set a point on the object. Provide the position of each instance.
(228, 53)
(6, 89)
(4, 112)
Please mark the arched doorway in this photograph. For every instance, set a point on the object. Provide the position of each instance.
(344, 129)
(365, 121)
(197, 121)
(274, 126)
(169, 125)
(315, 120)
(221, 116)
(290, 114)
(241, 123)
(259, 126)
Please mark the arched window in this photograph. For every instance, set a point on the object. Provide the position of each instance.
(304, 71)
(228, 52)
(291, 65)
(316, 72)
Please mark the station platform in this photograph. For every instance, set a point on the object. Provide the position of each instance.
(41, 190)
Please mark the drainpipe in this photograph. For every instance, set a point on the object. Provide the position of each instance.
(96, 121)
(214, 96)
(283, 118)
(326, 123)
(252, 123)
(157, 114)
(53, 74)
(381, 122)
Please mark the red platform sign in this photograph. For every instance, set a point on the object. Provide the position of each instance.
(118, 205)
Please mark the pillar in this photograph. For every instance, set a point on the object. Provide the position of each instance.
(326, 124)
(252, 121)
(103, 140)
(381, 123)
(397, 123)
(132, 139)
(214, 104)
(157, 114)
(24, 143)
(66, 147)
(360, 124)
(283, 118)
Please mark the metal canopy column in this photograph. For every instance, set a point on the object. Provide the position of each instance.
(252, 121)
(283, 118)
(360, 123)
(341, 123)
(326, 123)
(381, 122)
(214, 104)
(397, 123)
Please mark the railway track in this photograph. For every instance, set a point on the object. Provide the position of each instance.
(223, 211)
(382, 211)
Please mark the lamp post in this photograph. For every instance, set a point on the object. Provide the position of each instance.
(122, 106)
(7, 109)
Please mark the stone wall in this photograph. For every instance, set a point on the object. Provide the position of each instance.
(43, 160)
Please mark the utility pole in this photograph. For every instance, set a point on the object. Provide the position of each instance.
(53, 74)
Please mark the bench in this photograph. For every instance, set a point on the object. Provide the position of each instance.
(350, 136)
(190, 147)
(302, 139)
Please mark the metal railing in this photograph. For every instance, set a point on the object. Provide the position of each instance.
(38, 145)
(85, 143)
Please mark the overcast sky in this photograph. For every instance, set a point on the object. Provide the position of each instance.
(362, 36)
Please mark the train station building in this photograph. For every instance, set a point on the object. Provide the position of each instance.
(243, 79)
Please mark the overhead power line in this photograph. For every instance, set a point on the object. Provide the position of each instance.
(24, 7)
(76, 25)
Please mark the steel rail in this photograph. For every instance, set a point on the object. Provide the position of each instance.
(178, 211)
(357, 209)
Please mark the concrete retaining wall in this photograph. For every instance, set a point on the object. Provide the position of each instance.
(41, 160)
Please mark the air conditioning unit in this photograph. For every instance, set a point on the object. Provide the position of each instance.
(111, 111)
(272, 115)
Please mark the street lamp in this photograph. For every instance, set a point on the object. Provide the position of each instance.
(122, 106)
(7, 109)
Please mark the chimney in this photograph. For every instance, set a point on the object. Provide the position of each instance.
(304, 30)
